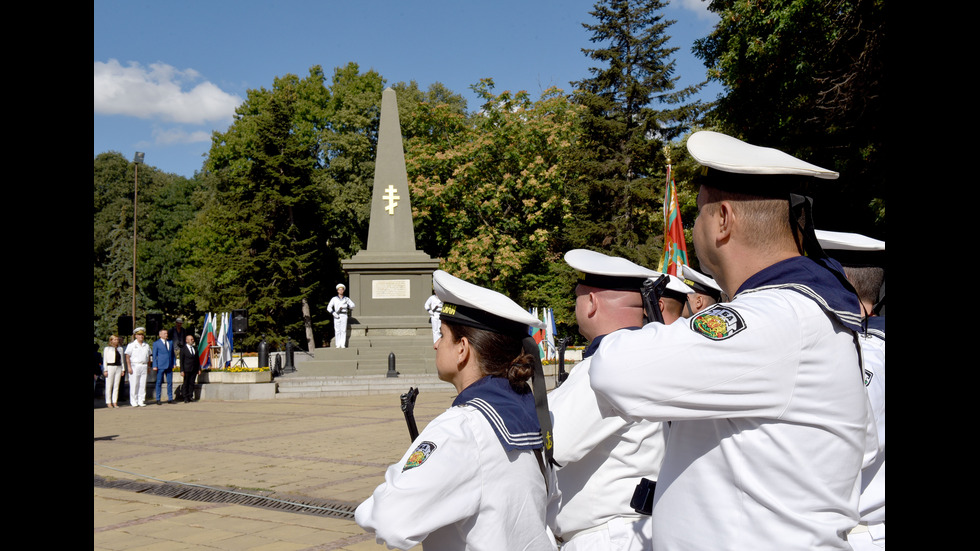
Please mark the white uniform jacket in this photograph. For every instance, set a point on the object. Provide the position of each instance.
(602, 458)
(769, 419)
(458, 488)
(340, 306)
(873, 477)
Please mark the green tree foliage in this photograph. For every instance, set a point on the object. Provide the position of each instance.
(260, 246)
(489, 193)
(806, 76)
(164, 205)
(632, 110)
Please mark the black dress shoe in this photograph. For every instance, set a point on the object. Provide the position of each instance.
(171, 402)
(158, 402)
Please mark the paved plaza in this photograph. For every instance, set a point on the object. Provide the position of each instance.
(331, 452)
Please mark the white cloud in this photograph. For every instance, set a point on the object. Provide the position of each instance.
(699, 7)
(179, 136)
(156, 93)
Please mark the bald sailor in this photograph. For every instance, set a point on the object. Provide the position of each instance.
(602, 458)
(763, 394)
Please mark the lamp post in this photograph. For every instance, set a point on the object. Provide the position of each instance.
(137, 160)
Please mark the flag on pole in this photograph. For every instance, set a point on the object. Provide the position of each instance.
(230, 344)
(223, 340)
(206, 342)
(675, 247)
(550, 331)
(537, 334)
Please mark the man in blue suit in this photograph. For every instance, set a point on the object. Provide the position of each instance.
(163, 364)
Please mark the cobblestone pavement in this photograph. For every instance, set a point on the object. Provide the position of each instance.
(321, 450)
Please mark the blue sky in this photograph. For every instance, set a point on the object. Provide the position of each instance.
(167, 74)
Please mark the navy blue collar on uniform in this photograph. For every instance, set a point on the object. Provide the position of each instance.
(511, 415)
(820, 280)
(594, 345)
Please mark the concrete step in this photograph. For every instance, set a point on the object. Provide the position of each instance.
(298, 386)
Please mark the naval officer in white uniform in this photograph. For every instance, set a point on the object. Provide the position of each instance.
(768, 416)
(602, 458)
(341, 307)
(476, 478)
(863, 261)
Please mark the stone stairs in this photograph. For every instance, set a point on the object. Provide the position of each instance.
(296, 385)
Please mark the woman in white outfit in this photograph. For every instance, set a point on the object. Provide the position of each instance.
(112, 364)
(475, 477)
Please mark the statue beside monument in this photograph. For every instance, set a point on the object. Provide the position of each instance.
(390, 279)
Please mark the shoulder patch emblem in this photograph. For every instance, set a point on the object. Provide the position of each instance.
(868, 375)
(718, 323)
(419, 456)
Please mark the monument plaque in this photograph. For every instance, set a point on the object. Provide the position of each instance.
(391, 288)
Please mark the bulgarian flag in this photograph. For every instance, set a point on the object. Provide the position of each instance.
(675, 247)
(206, 341)
(538, 335)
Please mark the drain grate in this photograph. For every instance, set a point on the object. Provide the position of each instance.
(304, 505)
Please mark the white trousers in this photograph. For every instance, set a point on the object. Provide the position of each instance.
(112, 378)
(620, 534)
(436, 328)
(137, 385)
(340, 328)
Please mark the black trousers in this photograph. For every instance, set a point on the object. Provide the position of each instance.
(188, 385)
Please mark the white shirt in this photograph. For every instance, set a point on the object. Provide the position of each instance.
(340, 306)
(468, 493)
(873, 477)
(602, 458)
(138, 354)
(768, 428)
(433, 306)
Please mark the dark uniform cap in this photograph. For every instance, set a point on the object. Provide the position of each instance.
(608, 272)
(468, 304)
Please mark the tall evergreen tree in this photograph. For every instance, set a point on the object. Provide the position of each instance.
(633, 108)
(268, 204)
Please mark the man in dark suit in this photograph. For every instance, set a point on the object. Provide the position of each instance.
(190, 365)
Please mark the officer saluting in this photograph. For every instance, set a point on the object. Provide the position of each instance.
(764, 394)
(476, 476)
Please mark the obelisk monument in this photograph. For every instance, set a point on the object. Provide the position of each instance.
(390, 280)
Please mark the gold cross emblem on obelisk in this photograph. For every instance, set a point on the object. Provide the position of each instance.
(390, 196)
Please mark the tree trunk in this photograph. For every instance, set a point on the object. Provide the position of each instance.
(308, 322)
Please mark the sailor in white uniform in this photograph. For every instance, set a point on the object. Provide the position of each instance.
(602, 458)
(341, 307)
(764, 396)
(433, 306)
(478, 476)
(706, 291)
(863, 261)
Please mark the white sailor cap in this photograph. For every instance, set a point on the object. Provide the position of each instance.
(701, 283)
(341, 285)
(676, 287)
(139, 330)
(734, 165)
(608, 272)
(468, 304)
(852, 249)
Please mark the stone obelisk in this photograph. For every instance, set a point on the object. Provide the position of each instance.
(390, 280)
